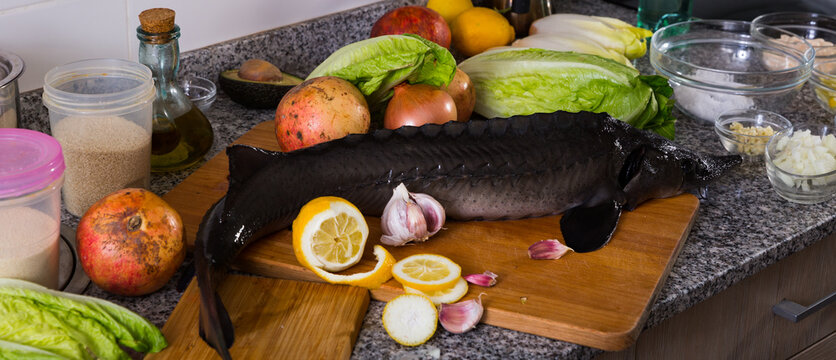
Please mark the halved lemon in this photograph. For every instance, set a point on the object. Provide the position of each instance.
(329, 233)
(410, 320)
(444, 296)
(427, 272)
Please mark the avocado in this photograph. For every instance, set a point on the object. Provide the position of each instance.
(256, 94)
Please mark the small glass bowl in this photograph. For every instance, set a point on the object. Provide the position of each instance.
(803, 189)
(751, 147)
(823, 81)
(200, 90)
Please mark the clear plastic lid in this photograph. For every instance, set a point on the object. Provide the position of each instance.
(29, 161)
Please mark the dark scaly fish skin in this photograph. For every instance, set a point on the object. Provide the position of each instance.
(587, 165)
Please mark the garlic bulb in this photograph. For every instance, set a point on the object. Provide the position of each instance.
(409, 216)
(461, 317)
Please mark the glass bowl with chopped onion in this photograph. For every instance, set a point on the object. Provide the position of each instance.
(746, 131)
(801, 164)
(719, 65)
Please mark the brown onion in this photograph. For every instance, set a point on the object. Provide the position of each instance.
(418, 104)
(463, 93)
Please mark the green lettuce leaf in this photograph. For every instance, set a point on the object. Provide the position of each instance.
(512, 82)
(25, 322)
(126, 327)
(376, 65)
(15, 351)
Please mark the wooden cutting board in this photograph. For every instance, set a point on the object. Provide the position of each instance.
(274, 319)
(598, 299)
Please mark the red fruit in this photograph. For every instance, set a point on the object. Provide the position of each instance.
(319, 110)
(417, 20)
(131, 242)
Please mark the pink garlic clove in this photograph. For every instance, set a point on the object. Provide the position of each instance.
(434, 213)
(547, 250)
(486, 279)
(462, 316)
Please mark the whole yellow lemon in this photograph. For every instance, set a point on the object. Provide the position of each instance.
(449, 9)
(478, 29)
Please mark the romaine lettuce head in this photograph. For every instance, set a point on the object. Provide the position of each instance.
(512, 82)
(94, 316)
(15, 351)
(376, 65)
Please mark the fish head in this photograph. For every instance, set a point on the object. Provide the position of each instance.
(665, 170)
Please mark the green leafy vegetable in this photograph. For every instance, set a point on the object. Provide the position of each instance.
(14, 351)
(72, 326)
(376, 65)
(512, 82)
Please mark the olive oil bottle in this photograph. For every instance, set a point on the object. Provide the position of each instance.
(182, 134)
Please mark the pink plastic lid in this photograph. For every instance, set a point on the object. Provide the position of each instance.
(29, 161)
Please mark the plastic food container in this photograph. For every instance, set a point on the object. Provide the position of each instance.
(793, 185)
(31, 174)
(101, 113)
(738, 133)
(716, 65)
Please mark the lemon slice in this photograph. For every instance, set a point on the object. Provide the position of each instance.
(410, 319)
(330, 233)
(427, 272)
(444, 296)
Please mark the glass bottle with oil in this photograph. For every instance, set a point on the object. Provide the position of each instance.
(181, 133)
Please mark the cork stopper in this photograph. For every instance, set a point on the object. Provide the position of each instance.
(157, 20)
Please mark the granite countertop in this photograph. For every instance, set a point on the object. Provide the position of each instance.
(742, 227)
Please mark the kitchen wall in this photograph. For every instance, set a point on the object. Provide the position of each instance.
(47, 33)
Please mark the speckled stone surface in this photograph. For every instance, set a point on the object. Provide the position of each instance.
(742, 226)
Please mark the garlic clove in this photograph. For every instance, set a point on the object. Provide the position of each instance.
(410, 217)
(462, 316)
(486, 279)
(547, 249)
(434, 213)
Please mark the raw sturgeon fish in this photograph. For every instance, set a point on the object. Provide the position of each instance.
(587, 166)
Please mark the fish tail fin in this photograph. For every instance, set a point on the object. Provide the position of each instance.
(214, 323)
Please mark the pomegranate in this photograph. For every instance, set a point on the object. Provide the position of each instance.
(319, 110)
(417, 20)
(131, 242)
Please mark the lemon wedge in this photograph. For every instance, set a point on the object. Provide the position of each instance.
(330, 233)
(427, 272)
(410, 319)
(444, 296)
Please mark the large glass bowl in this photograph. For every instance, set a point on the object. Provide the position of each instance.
(818, 29)
(790, 183)
(718, 65)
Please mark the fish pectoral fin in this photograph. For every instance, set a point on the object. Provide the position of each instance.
(588, 228)
(245, 160)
